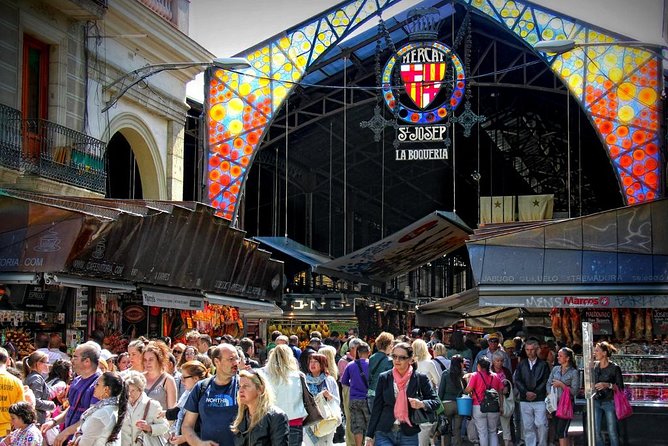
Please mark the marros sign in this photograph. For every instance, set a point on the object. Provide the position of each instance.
(571, 301)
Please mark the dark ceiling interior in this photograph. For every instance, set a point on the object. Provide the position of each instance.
(521, 148)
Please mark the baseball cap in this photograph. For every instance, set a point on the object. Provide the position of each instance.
(509, 343)
(492, 336)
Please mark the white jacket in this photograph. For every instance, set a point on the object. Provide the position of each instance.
(288, 394)
(96, 428)
(130, 431)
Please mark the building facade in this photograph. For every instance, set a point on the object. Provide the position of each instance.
(65, 62)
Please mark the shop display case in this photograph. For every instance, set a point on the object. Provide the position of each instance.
(645, 378)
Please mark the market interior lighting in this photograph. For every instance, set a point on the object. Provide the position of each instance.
(129, 80)
(566, 45)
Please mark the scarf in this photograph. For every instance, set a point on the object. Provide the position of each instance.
(314, 383)
(112, 401)
(401, 403)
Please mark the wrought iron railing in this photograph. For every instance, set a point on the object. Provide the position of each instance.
(10, 137)
(52, 151)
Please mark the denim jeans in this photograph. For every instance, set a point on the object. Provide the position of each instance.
(296, 435)
(607, 409)
(395, 438)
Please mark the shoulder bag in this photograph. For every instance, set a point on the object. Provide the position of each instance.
(421, 416)
(146, 439)
(313, 413)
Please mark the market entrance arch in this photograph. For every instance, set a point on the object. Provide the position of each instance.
(617, 87)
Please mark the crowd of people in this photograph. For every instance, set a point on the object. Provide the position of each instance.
(399, 391)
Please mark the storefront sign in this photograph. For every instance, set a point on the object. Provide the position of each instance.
(601, 321)
(313, 305)
(628, 301)
(168, 300)
(660, 318)
(420, 154)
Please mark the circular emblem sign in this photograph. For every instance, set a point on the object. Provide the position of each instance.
(134, 314)
(426, 69)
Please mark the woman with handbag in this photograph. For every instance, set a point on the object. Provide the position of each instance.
(283, 375)
(100, 424)
(564, 376)
(319, 381)
(506, 377)
(451, 387)
(259, 422)
(35, 365)
(404, 398)
(485, 417)
(607, 378)
(142, 424)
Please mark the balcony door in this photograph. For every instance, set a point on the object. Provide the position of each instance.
(35, 91)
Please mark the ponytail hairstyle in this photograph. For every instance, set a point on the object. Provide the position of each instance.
(571, 356)
(30, 362)
(484, 363)
(117, 388)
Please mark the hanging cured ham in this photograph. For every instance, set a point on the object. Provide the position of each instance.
(555, 316)
(649, 328)
(628, 323)
(576, 326)
(566, 326)
(639, 326)
(617, 324)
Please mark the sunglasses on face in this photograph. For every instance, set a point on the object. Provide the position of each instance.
(177, 352)
(399, 357)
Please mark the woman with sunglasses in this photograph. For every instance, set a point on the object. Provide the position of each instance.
(399, 392)
(189, 353)
(259, 422)
(36, 365)
(192, 372)
(177, 351)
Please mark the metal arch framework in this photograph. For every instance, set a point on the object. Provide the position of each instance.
(617, 87)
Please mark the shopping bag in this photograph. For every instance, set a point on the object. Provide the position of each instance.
(551, 401)
(623, 408)
(331, 416)
(565, 407)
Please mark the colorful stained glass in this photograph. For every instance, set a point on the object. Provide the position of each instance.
(617, 86)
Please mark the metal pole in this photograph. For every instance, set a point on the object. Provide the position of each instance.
(587, 358)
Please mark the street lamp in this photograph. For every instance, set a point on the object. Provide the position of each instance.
(138, 75)
(566, 45)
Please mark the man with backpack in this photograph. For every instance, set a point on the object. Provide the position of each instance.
(212, 405)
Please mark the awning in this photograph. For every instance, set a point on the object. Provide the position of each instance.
(622, 246)
(425, 240)
(446, 311)
(296, 250)
(612, 259)
(178, 245)
(77, 281)
(20, 278)
(249, 308)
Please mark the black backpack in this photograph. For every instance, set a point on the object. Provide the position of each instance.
(490, 401)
